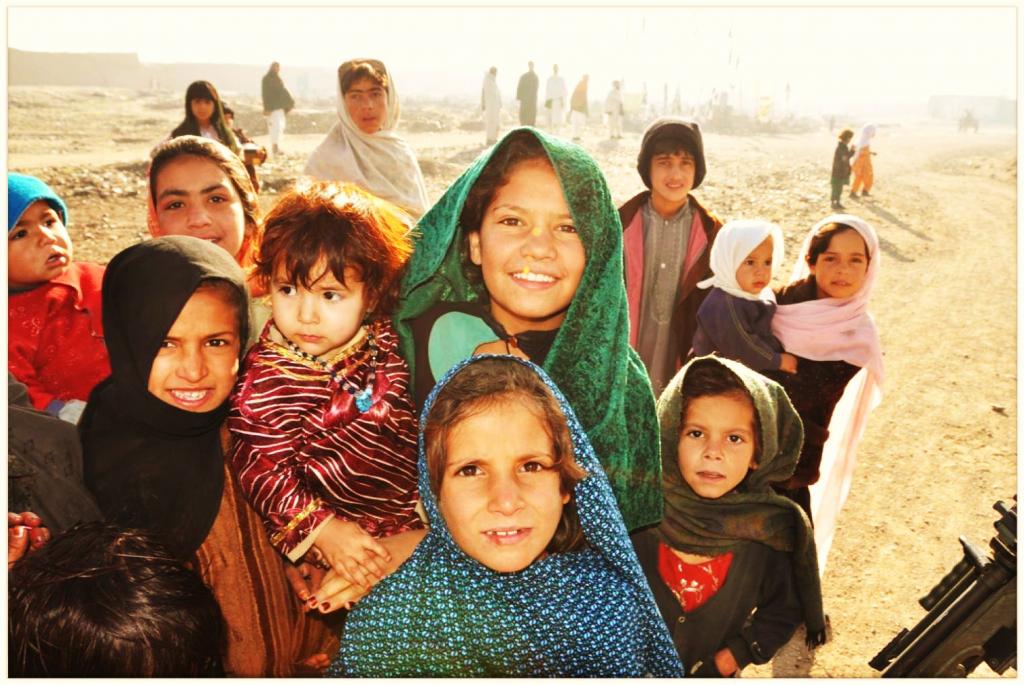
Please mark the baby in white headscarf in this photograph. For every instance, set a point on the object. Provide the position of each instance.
(735, 318)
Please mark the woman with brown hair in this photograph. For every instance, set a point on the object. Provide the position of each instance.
(363, 147)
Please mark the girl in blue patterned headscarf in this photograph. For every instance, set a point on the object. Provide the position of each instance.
(527, 569)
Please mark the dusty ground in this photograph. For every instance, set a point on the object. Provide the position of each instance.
(938, 452)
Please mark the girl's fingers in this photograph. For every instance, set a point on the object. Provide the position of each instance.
(38, 537)
(30, 519)
(378, 549)
(14, 520)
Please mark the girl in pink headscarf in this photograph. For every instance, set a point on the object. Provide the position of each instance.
(823, 319)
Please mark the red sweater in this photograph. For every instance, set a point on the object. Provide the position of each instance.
(55, 336)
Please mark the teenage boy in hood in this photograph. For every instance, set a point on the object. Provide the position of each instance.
(666, 245)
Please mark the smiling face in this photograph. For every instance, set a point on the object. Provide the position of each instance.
(717, 443)
(528, 250)
(840, 270)
(320, 319)
(501, 498)
(38, 247)
(195, 197)
(672, 177)
(367, 104)
(202, 110)
(196, 366)
(755, 272)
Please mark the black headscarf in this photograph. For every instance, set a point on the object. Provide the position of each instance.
(152, 465)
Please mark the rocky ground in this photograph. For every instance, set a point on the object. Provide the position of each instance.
(938, 452)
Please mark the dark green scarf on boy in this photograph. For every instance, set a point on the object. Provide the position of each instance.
(590, 358)
(752, 511)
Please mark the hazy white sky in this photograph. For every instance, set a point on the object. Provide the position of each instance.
(832, 58)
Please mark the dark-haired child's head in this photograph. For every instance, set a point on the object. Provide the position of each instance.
(846, 135)
(364, 88)
(101, 601)
(671, 160)
(719, 433)
(38, 245)
(202, 103)
(838, 259)
(521, 239)
(196, 367)
(332, 255)
(502, 467)
(199, 187)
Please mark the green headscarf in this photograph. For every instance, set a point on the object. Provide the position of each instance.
(752, 512)
(590, 358)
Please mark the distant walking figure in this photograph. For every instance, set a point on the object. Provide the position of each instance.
(613, 108)
(863, 171)
(277, 102)
(490, 103)
(526, 94)
(554, 94)
(579, 107)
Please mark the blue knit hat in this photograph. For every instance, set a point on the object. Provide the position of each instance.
(22, 191)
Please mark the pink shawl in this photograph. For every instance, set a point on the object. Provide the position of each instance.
(831, 329)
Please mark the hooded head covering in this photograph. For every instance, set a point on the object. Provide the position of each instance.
(752, 512)
(23, 190)
(831, 329)
(735, 241)
(381, 162)
(571, 614)
(152, 465)
(688, 132)
(590, 358)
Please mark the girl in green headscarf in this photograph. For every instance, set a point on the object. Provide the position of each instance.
(523, 255)
(732, 566)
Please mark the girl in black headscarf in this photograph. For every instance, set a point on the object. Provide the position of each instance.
(177, 312)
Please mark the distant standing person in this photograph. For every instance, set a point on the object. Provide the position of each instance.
(863, 171)
(363, 147)
(204, 116)
(613, 108)
(554, 94)
(579, 107)
(526, 94)
(277, 102)
(841, 166)
(490, 103)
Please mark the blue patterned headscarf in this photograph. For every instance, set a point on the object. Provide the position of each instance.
(571, 614)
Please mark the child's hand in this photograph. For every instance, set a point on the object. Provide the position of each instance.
(787, 362)
(352, 553)
(25, 533)
(725, 662)
(304, 577)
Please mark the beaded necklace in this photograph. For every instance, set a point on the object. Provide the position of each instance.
(363, 396)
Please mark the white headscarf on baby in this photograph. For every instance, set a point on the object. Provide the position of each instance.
(734, 243)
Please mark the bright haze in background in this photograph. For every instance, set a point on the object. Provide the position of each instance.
(835, 59)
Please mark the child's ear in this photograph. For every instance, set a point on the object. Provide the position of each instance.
(474, 248)
(566, 497)
(753, 465)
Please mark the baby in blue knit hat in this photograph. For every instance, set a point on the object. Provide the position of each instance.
(55, 327)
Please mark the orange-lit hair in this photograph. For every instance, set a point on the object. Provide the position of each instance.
(343, 226)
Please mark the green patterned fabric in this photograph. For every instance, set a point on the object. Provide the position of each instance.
(752, 511)
(590, 359)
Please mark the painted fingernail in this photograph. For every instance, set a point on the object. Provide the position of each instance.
(325, 606)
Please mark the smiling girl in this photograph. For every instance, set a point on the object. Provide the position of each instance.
(823, 319)
(527, 569)
(523, 255)
(175, 315)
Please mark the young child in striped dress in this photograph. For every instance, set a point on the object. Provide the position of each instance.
(323, 428)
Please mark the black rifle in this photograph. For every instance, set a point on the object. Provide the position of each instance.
(972, 615)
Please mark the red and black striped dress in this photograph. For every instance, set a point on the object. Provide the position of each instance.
(303, 451)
